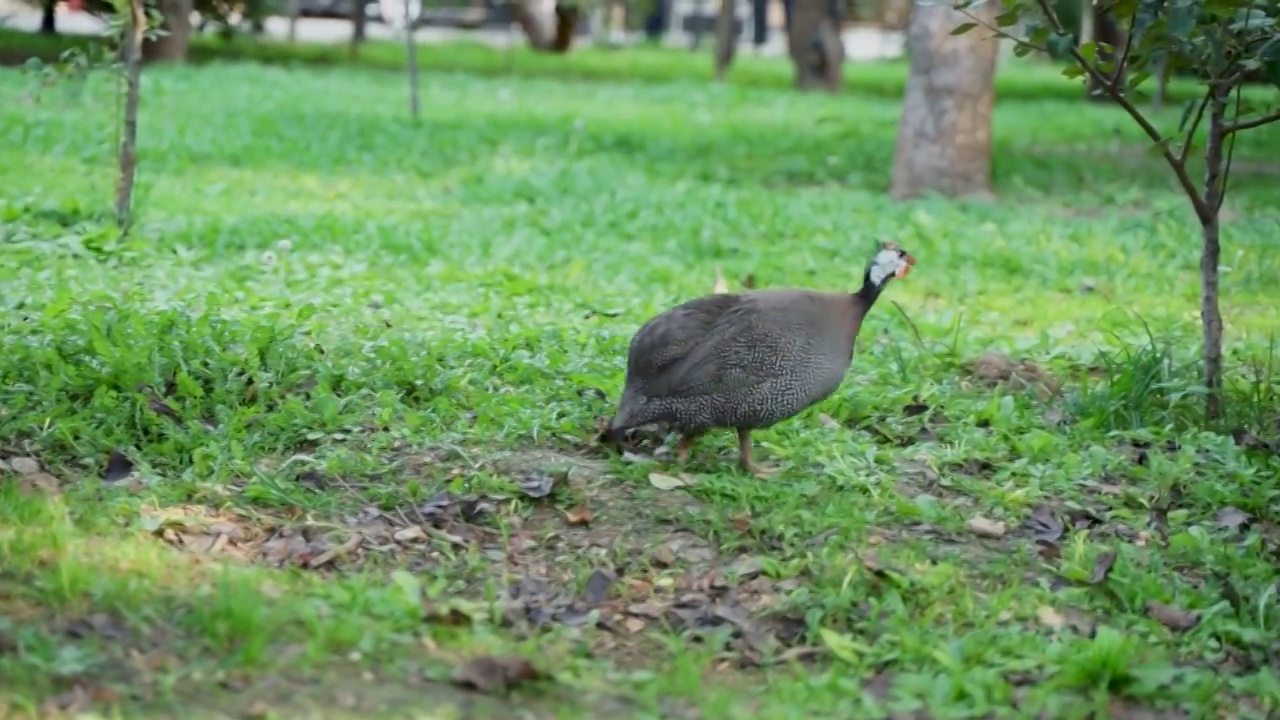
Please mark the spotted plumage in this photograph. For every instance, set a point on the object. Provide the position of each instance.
(746, 360)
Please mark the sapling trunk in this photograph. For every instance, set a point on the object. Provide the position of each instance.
(411, 53)
(134, 31)
(1211, 249)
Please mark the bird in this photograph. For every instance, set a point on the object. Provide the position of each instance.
(746, 360)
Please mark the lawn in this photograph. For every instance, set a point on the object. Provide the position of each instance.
(318, 438)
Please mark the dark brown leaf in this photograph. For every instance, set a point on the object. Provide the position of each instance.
(598, 585)
(119, 467)
(915, 407)
(1172, 617)
(749, 282)
(1048, 550)
(1229, 591)
(1102, 567)
(443, 615)
(1044, 523)
(496, 674)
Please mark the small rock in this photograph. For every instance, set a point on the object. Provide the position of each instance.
(634, 625)
(24, 465)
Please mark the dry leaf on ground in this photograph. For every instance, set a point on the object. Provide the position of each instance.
(982, 527)
(1102, 567)
(496, 674)
(665, 482)
(1172, 617)
(580, 515)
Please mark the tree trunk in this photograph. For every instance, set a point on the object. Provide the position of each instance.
(49, 17)
(358, 23)
(759, 22)
(816, 50)
(173, 45)
(1109, 32)
(1211, 251)
(135, 30)
(295, 10)
(726, 40)
(540, 38)
(411, 59)
(944, 136)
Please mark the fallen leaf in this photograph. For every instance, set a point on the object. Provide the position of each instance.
(257, 710)
(1102, 567)
(721, 286)
(24, 465)
(1174, 618)
(333, 553)
(444, 615)
(915, 407)
(1050, 618)
(598, 585)
(410, 534)
(1044, 524)
(749, 282)
(536, 484)
(496, 674)
(118, 468)
(747, 567)
(1230, 518)
(741, 523)
(983, 527)
(1048, 550)
(828, 422)
(634, 625)
(665, 482)
(664, 556)
(580, 515)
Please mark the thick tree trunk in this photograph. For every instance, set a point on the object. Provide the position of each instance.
(944, 136)
(1211, 252)
(815, 46)
(295, 11)
(1111, 33)
(726, 41)
(171, 46)
(49, 17)
(759, 22)
(558, 40)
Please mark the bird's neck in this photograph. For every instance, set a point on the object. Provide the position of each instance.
(869, 292)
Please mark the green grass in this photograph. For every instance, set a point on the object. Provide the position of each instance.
(645, 64)
(327, 314)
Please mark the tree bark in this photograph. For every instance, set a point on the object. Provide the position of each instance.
(135, 31)
(174, 44)
(557, 40)
(815, 46)
(944, 136)
(1211, 251)
(49, 17)
(726, 40)
(1109, 32)
(358, 23)
(411, 59)
(295, 10)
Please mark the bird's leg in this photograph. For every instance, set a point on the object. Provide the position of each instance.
(683, 446)
(744, 456)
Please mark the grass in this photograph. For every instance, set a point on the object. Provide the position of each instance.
(645, 64)
(328, 315)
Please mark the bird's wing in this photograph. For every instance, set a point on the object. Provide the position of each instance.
(668, 338)
(720, 358)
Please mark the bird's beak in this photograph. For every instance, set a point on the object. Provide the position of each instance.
(906, 268)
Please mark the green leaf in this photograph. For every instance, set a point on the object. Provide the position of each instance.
(1072, 71)
(1060, 45)
(1008, 17)
(1251, 20)
(1089, 50)
(1022, 49)
(964, 28)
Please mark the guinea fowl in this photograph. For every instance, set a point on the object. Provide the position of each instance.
(746, 360)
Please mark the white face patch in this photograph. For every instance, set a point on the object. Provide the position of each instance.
(885, 264)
